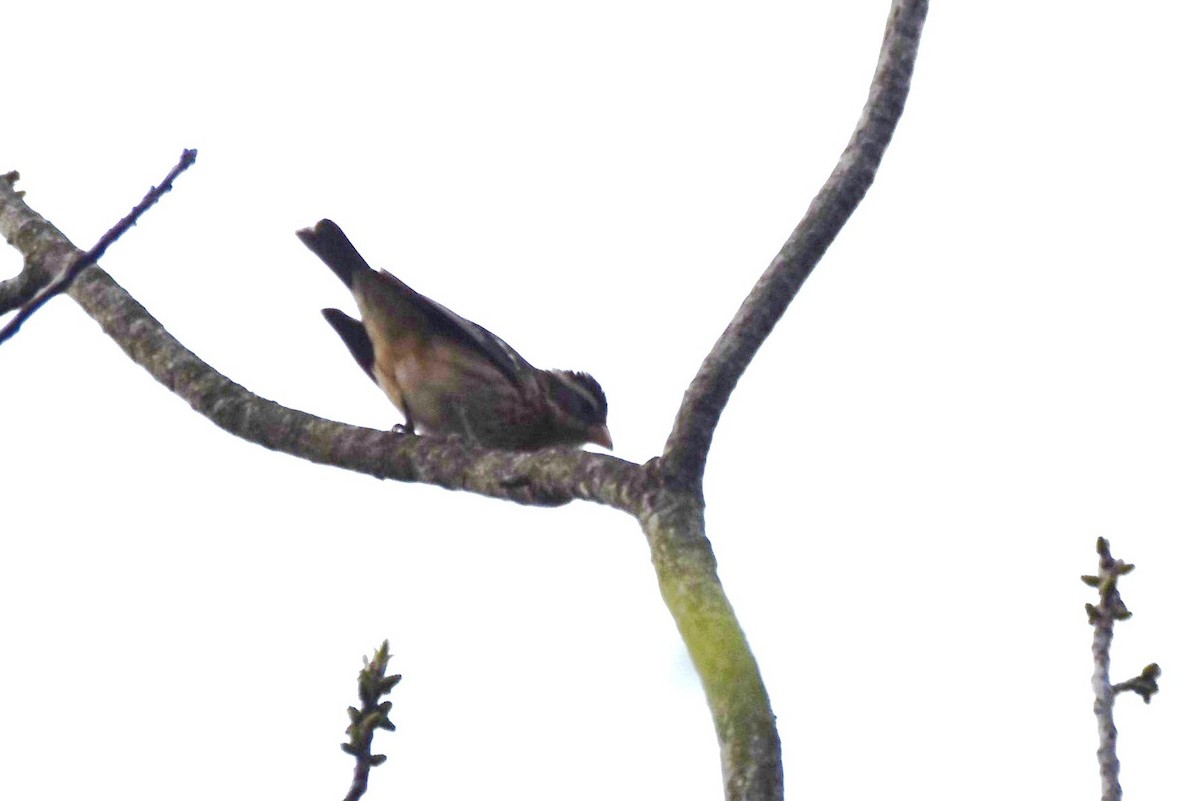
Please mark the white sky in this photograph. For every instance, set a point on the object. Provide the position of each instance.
(994, 364)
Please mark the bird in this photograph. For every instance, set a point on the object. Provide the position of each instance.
(448, 375)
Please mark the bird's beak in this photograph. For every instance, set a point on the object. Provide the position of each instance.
(598, 434)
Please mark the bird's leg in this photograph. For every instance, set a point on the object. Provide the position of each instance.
(408, 426)
(468, 434)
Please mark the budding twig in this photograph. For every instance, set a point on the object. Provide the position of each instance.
(1102, 616)
(373, 684)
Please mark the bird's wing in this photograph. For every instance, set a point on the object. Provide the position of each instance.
(403, 305)
(445, 323)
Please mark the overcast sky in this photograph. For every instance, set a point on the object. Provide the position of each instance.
(994, 364)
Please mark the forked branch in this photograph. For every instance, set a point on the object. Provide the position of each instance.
(63, 280)
(664, 495)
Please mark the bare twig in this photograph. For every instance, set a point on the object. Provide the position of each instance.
(687, 446)
(1102, 616)
(373, 684)
(68, 276)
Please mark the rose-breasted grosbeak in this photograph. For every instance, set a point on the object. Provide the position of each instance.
(449, 375)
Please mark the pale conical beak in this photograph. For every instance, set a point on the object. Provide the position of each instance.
(598, 434)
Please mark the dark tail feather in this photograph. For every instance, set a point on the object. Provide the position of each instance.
(332, 247)
(354, 334)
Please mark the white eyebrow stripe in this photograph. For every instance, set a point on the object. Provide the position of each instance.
(579, 388)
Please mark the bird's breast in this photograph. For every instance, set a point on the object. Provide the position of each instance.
(444, 386)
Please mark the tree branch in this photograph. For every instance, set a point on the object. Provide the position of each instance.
(546, 478)
(19, 290)
(687, 447)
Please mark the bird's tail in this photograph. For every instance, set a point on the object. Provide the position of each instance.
(354, 334)
(332, 247)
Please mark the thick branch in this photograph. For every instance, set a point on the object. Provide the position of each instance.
(19, 290)
(547, 478)
(20, 227)
(751, 755)
(687, 447)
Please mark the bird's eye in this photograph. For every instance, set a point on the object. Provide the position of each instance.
(574, 399)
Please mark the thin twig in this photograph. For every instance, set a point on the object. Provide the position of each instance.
(68, 276)
(1102, 618)
(373, 684)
